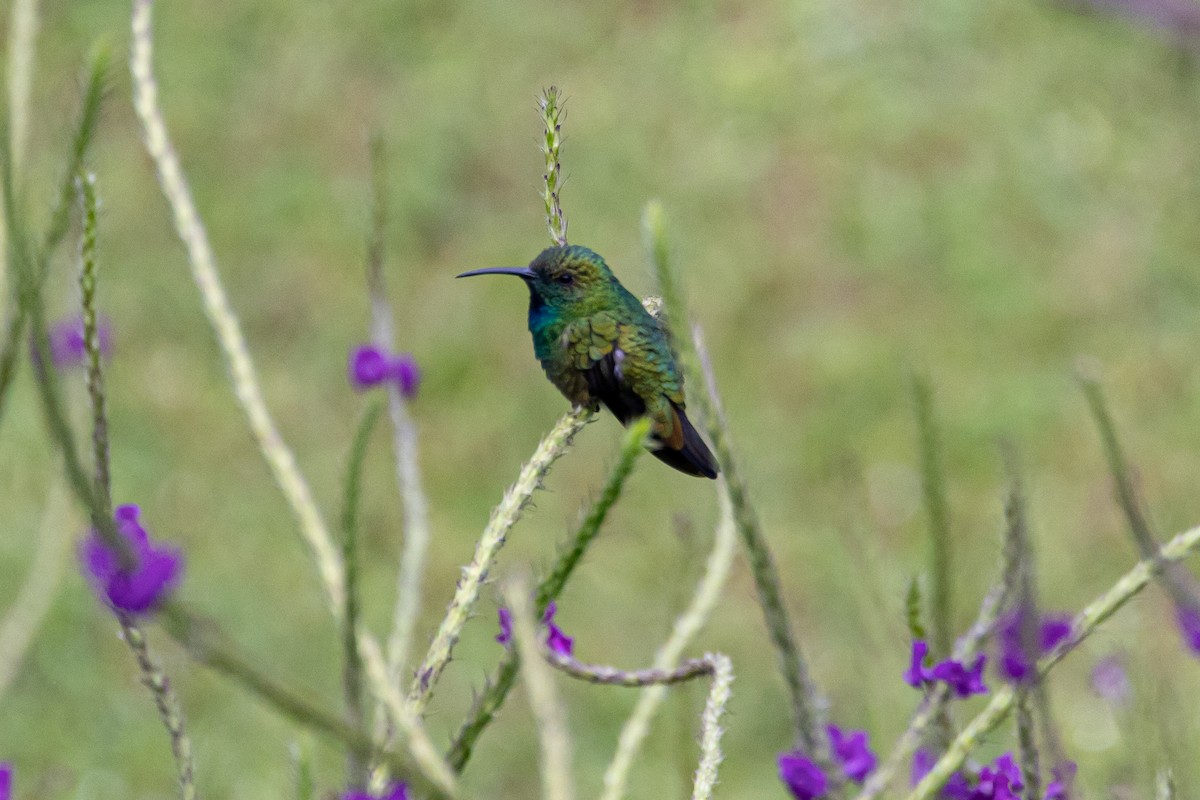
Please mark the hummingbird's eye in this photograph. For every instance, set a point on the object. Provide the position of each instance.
(566, 279)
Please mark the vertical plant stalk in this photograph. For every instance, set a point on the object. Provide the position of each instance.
(708, 591)
(1176, 580)
(1086, 621)
(153, 676)
(806, 706)
(940, 544)
(550, 106)
(489, 701)
(217, 308)
(22, 40)
(351, 660)
(710, 728)
(36, 595)
(423, 751)
(404, 437)
(511, 507)
(548, 711)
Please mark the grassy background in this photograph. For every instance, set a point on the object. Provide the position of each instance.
(854, 190)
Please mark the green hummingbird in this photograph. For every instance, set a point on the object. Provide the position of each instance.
(597, 344)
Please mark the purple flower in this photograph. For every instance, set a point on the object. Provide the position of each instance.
(397, 791)
(1000, 781)
(1189, 626)
(1016, 664)
(803, 778)
(964, 682)
(917, 673)
(5, 780)
(67, 348)
(1109, 680)
(505, 634)
(852, 751)
(922, 762)
(139, 587)
(556, 640)
(1064, 776)
(370, 366)
(1180, 17)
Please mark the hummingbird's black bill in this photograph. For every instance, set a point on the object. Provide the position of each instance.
(521, 272)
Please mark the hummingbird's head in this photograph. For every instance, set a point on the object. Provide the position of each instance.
(568, 278)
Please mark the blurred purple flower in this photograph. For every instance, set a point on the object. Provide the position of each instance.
(803, 778)
(397, 791)
(1189, 626)
(370, 366)
(556, 640)
(1000, 781)
(917, 673)
(1064, 776)
(153, 574)
(1015, 664)
(852, 751)
(1181, 17)
(505, 634)
(5, 780)
(922, 762)
(964, 682)
(67, 347)
(1109, 680)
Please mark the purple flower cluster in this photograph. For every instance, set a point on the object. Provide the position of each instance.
(134, 588)
(805, 780)
(5, 780)
(1000, 780)
(397, 791)
(556, 640)
(964, 681)
(1109, 680)
(370, 366)
(1188, 620)
(1017, 665)
(67, 348)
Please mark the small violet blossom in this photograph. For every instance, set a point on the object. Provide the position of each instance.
(1109, 680)
(957, 788)
(139, 587)
(962, 680)
(1016, 664)
(67, 347)
(5, 780)
(801, 775)
(370, 366)
(397, 791)
(1189, 625)
(852, 751)
(556, 640)
(1064, 776)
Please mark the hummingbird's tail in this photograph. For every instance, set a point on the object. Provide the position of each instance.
(692, 456)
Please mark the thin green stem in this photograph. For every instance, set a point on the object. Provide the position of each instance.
(940, 544)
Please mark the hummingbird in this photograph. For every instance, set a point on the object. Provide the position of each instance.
(597, 344)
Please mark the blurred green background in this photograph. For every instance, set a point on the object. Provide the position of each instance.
(854, 190)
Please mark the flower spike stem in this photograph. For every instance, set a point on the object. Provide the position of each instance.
(550, 106)
(807, 712)
(22, 38)
(484, 709)
(704, 599)
(220, 313)
(1082, 626)
(552, 447)
(940, 543)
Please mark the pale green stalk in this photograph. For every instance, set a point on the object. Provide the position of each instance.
(548, 712)
(220, 313)
(550, 106)
(708, 591)
(1082, 626)
(37, 593)
(606, 675)
(423, 751)
(22, 39)
(940, 543)
(552, 447)
(710, 727)
(1165, 785)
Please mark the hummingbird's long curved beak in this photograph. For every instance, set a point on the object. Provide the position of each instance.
(525, 273)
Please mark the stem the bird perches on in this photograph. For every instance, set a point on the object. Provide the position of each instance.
(807, 713)
(550, 106)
